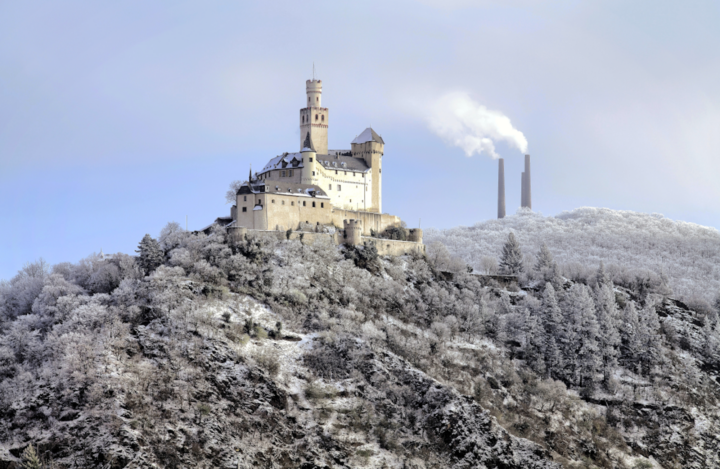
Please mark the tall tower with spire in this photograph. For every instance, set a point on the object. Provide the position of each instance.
(314, 118)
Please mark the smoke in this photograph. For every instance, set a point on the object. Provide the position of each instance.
(464, 123)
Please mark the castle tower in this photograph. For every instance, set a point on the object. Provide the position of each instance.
(370, 147)
(314, 118)
(353, 232)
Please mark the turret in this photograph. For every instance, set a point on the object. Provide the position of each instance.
(415, 235)
(309, 157)
(370, 147)
(353, 232)
(314, 118)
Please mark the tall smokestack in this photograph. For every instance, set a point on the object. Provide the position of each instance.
(501, 188)
(528, 192)
(522, 190)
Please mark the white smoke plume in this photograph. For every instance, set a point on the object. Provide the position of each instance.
(460, 121)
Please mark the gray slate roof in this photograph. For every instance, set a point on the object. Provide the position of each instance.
(343, 163)
(368, 135)
(286, 188)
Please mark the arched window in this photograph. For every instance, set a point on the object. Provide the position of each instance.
(316, 117)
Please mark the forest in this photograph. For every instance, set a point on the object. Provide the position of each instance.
(587, 340)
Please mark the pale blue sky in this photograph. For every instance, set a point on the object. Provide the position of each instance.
(117, 117)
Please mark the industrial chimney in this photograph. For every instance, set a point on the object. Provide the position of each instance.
(528, 192)
(501, 188)
(525, 192)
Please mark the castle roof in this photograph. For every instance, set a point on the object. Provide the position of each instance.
(337, 159)
(294, 160)
(342, 162)
(283, 188)
(368, 135)
(308, 144)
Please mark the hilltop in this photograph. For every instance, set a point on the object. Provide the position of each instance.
(206, 351)
(629, 243)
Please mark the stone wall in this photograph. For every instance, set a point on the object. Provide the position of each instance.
(393, 247)
(374, 221)
(385, 247)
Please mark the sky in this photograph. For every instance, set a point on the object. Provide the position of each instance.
(119, 117)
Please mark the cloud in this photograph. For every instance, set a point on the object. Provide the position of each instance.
(464, 123)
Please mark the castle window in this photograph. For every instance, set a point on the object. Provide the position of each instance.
(313, 204)
(282, 174)
(292, 204)
(322, 205)
(290, 173)
(244, 209)
(345, 173)
(311, 159)
(322, 118)
(308, 99)
(317, 99)
(336, 171)
(316, 117)
(330, 186)
(313, 173)
(303, 118)
(303, 203)
(283, 202)
(339, 187)
(273, 200)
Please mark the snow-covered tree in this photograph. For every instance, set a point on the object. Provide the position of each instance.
(544, 259)
(552, 316)
(151, 256)
(607, 317)
(629, 332)
(511, 259)
(535, 343)
(171, 236)
(649, 343)
(602, 277)
(582, 349)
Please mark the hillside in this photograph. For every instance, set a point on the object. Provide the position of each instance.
(629, 243)
(204, 352)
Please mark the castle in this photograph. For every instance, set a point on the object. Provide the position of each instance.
(317, 189)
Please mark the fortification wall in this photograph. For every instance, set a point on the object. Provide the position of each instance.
(308, 237)
(385, 247)
(374, 221)
(393, 247)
